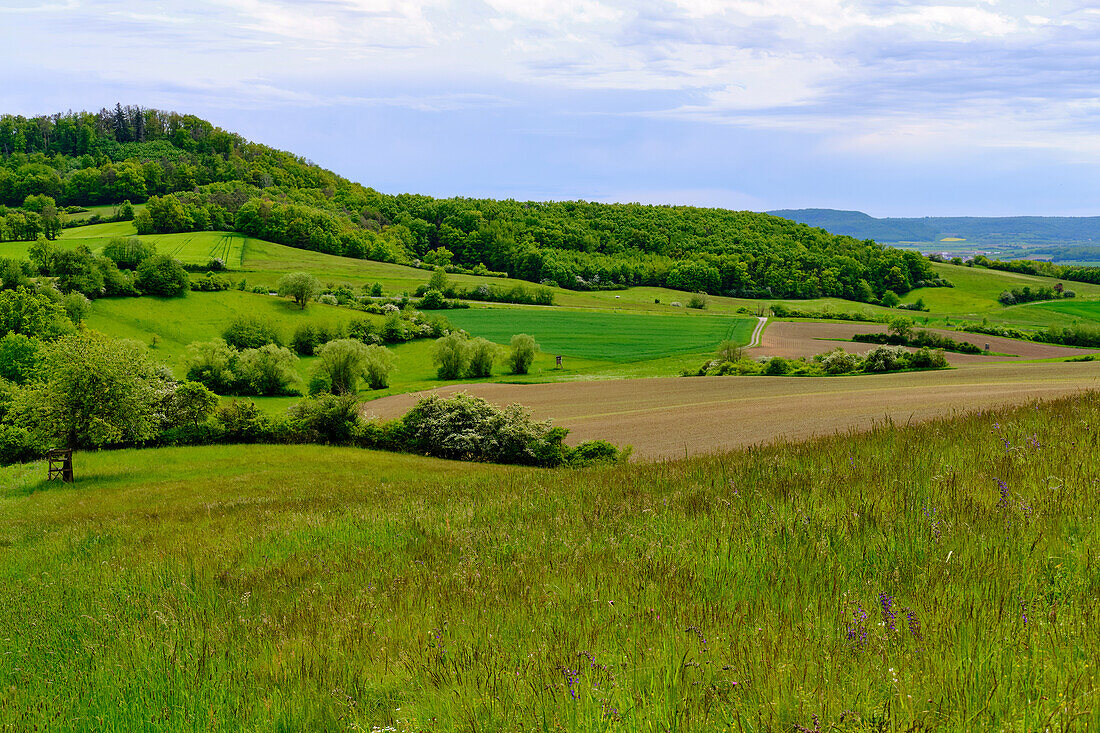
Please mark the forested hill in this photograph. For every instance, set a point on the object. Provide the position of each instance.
(974, 229)
(195, 176)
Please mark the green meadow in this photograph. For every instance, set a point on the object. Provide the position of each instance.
(937, 576)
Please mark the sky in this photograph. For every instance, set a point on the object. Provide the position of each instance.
(892, 107)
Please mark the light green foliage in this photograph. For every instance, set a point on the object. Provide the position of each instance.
(839, 361)
(697, 301)
(76, 307)
(380, 364)
(268, 370)
(890, 299)
(212, 364)
(482, 354)
(885, 359)
(451, 355)
(251, 332)
(344, 363)
(191, 404)
(93, 391)
(523, 350)
(777, 366)
(302, 287)
(41, 254)
(33, 314)
(438, 280)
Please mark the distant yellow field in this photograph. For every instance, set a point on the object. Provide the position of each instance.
(953, 239)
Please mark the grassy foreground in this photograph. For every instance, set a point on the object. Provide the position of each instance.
(881, 581)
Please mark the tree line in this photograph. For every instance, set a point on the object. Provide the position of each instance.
(195, 176)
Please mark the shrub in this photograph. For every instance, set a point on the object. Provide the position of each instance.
(451, 356)
(926, 358)
(595, 451)
(328, 299)
(250, 332)
(190, 404)
(890, 299)
(309, 336)
(394, 330)
(380, 363)
(212, 364)
(697, 301)
(523, 353)
(885, 359)
(364, 330)
(331, 419)
(161, 275)
(777, 366)
(344, 363)
(470, 428)
(482, 355)
(300, 286)
(17, 445)
(267, 371)
(432, 300)
(839, 361)
(76, 307)
(243, 422)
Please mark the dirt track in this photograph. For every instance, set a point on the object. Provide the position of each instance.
(793, 339)
(671, 416)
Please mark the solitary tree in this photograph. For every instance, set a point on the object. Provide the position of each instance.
(523, 353)
(94, 391)
(901, 326)
(301, 286)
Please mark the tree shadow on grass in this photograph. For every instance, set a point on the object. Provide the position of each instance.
(98, 480)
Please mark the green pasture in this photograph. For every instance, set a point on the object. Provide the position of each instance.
(879, 581)
(104, 211)
(605, 335)
(192, 248)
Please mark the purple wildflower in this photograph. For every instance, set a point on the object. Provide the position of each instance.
(889, 615)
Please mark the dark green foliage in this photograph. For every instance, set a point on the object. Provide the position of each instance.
(432, 300)
(195, 176)
(1026, 294)
(267, 371)
(14, 274)
(250, 332)
(191, 404)
(592, 452)
(309, 336)
(782, 311)
(777, 366)
(925, 339)
(243, 422)
(331, 419)
(162, 275)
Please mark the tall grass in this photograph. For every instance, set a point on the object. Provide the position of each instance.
(940, 576)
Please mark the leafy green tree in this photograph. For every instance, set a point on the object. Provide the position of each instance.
(42, 253)
(32, 314)
(250, 332)
(19, 357)
(451, 355)
(438, 280)
(901, 326)
(522, 354)
(482, 355)
(191, 404)
(300, 286)
(162, 275)
(269, 370)
(890, 299)
(76, 307)
(344, 363)
(94, 391)
(212, 363)
(380, 364)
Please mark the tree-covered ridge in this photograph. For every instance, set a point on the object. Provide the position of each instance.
(198, 177)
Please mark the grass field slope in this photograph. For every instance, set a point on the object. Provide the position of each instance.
(939, 576)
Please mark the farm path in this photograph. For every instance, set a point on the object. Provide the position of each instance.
(761, 322)
(673, 416)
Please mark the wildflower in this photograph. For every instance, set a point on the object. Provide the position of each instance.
(914, 623)
(889, 615)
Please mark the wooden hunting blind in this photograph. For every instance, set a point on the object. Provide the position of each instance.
(60, 465)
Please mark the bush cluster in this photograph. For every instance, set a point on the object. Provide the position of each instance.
(883, 358)
(456, 355)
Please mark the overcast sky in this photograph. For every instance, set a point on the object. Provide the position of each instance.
(896, 108)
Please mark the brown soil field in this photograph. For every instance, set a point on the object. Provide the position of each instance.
(674, 416)
(792, 339)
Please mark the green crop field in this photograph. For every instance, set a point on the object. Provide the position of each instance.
(937, 576)
(610, 336)
(193, 248)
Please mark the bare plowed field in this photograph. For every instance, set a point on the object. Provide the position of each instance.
(674, 416)
(793, 339)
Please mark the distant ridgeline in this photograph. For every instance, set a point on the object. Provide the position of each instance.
(195, 176)
(974, 229)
